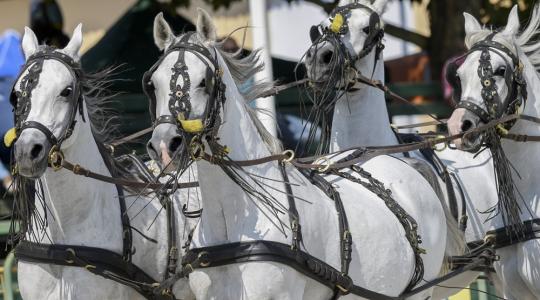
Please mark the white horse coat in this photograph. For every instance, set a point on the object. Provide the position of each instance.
(80, 210)
(382, 259)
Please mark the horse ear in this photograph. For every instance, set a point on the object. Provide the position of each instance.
(380, 6)
(163, 34)
(512, 27)
(471, 24)
(74, 45)
(29, 42)
(205, 26)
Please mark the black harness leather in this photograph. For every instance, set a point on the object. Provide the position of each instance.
(447, 177)
(179, 98)
(291, 254)
(117, 267)
(495, 107)
(105, 263)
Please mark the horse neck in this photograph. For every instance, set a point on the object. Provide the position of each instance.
(229, 214)
(523, 156)
(361, 117)
(81, 210)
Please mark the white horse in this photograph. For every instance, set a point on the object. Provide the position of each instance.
(79, 210)
(518, 268)
(382, 258)
(360, 118)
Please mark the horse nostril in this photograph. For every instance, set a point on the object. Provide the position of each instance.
(327, 56)
(174, 144)
(466, 125)
(36, 151)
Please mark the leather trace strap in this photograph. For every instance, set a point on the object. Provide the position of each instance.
(102, 262)
(502, 237)
(316, 269)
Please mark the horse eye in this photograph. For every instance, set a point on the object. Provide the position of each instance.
(202, 84)
(66, 92)
(366, 30)
(500, 71)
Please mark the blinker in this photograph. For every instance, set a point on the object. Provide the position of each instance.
(10, 137)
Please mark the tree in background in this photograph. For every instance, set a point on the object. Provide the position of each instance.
(447, 25)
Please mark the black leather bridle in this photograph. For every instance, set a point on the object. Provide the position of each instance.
(179, 98)
(102, 262)
(339, 27)
(21, 100)
(495, 107)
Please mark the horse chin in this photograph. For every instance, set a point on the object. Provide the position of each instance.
(471, 143)
(31, 170)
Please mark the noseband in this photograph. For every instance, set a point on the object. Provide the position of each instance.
(495, 107)
(21, 100)
(179, 98)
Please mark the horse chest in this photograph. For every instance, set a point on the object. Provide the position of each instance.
(39, 281)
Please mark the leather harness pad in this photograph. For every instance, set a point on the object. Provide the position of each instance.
(99, 261)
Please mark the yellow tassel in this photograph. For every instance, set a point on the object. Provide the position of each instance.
(10, 136)
(192, 126)
(502, 131)
(336, 23)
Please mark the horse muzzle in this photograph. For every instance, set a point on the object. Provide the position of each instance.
(31, 153)
(462, 120)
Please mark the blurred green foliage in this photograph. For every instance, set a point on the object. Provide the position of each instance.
(495, 12)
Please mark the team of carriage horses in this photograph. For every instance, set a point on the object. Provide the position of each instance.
(223, 212)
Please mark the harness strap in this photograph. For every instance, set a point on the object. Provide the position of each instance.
(314, 268)
(252, 251)
(102, 262)
(293, 212)
(36, 125)
(502, 237)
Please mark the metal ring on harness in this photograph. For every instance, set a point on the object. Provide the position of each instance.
(324, 164)
(290, 155)
(56, 158)
(200, 257)
(196, 148)
(72, 252)
(489, 239)
(342, 289)
(440, 149)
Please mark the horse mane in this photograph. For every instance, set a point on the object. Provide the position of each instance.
(104, 121)
(242, 70)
